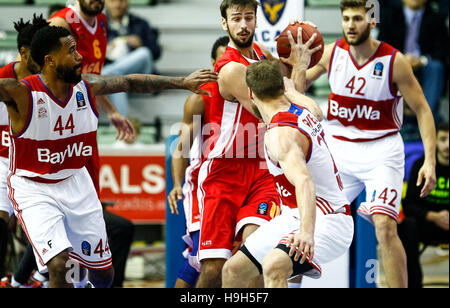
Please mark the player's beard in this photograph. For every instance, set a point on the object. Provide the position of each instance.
(69, 74)
(359, 40)
(242, 44)
(85, 6)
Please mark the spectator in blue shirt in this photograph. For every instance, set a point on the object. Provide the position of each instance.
(132, 47)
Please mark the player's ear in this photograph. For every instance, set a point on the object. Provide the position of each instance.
(23, 53)
(49, 60)
(224, 24)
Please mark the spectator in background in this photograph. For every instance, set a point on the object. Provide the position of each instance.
(426, 219)
(52, 9)
(421, 34)
(132, 36)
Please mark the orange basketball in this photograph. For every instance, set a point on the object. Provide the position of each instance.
(284, 47)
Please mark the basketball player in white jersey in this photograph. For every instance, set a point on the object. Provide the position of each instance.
(369, 81)
(53, 126)
(315, 223)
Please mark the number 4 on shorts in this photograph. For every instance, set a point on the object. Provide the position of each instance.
(99, 248)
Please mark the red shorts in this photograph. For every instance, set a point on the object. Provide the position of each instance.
(232, 193)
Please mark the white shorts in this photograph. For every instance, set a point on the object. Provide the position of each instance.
(332, 237)
(65, 215)
(5, 204)
(378, 166)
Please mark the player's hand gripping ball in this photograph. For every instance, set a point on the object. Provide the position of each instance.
(284, 47)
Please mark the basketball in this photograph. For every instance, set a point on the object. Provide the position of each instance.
(284, 47)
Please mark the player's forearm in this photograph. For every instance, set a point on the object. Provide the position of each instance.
(299, 77)
(179, 165)
(139, 83)
(135, 83)
(306, 200)
(427, 129)
(106, 105)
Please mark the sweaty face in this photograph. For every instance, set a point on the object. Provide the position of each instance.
(355, 27)
(241, 25)
(68, 67)
(92, 7)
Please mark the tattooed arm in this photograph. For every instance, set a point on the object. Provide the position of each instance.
(139, 83)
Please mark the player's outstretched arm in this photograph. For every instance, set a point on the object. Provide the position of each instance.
(409, 87)
(288, 146)
(147, 83)
(15, 96)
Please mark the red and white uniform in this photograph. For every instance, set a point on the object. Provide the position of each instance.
(91, 44)
(91, 40)
(235, 187)
(190, 201)
(365, 113)
(334, 224)
(53, 196)
(6, 71)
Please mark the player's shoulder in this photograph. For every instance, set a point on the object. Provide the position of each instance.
(7, 71)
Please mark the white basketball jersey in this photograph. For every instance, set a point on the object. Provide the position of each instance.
(364, 104)
(59, 137)
(330, 197)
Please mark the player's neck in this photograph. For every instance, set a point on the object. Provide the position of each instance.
(269, 108)
(365, 50)
(56, 85)
(247, 52)
(21, 70)
(90, 20)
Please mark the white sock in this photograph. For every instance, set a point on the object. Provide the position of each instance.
(294, 285)
(14, 283)
(38, 276)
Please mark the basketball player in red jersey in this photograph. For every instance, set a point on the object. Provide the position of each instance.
(87, 24)
(236, 192)
(53, 124)
(369, 80)
(190, 137)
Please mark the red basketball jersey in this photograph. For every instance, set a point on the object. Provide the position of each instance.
(233, 131)
(6, 71)
(91, 41)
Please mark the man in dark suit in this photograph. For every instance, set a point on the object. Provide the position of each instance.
(421, 34)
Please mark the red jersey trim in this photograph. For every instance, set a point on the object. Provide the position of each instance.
(392, 86)
(381, 49)
(364, 139)
(91, 99)
(332, 56)
(53, 97)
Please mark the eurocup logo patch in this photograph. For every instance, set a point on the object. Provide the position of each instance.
(378, 71)
(273, 10)
(86, 248)
(80, 100)
(263, 208)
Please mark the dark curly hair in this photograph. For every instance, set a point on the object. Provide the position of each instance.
(26, 30)
(45, 41)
